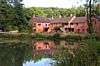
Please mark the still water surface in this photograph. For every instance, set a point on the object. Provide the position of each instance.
(42, 62)
(34, 53)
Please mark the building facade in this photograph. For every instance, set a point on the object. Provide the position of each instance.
(65, 25)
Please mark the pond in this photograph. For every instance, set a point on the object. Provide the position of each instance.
(38, 52)
(42, 62)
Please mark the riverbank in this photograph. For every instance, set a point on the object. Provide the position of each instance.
(70, 36)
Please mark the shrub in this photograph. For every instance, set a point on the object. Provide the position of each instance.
(56, 35)
(72, 37)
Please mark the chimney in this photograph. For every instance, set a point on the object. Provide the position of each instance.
(72, 18)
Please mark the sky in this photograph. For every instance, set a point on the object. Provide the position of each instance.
(53, 3)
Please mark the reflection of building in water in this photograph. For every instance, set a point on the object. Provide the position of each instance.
(48, 47)
(44, 45)
(45, 48)
(71, 45)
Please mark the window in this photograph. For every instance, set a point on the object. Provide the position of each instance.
(72, 29)
(78, 30)
(65, 28)
(83, 30)
(46, 25)
(49, 24)
(76, 23)
(65, 23)
(39, 24)
(46, 43)
(71, 23)
(39, 47)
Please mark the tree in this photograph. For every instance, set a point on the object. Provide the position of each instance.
(5, 15)
(80, 11)
(19, 18)
(28, 13)
(12, 15)
(49, 12)
(96, 9)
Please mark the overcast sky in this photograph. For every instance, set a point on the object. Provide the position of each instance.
(53, 3)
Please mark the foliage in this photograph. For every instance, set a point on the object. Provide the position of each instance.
(72, 37)
(53, 12)
(80, 11)
(6, 14)
(12, 15)
(96, 9)
(56, 36)
(82, 56)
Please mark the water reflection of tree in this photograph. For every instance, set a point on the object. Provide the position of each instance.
(56, 41)
(15, 54)
(83, 56)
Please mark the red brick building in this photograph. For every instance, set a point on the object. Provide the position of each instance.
(80, 25)
(68, 24)
(96, 24)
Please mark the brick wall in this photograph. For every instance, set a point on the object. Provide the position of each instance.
(80, 27)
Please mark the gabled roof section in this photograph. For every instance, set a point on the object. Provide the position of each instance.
(51, 20)
(97, 17)
(36, 19)
(60, 20)
(79, 20)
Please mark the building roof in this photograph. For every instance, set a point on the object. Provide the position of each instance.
(97, 17)
(51, 20)
(79, 19)
(41, 19)
(60, 20)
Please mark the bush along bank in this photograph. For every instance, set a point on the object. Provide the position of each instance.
(49, 37)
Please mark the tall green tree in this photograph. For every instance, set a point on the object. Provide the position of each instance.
(12, 15)
(19, 19)
(5, 15)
